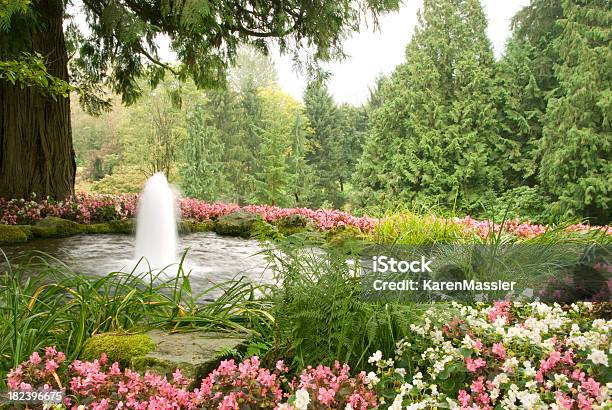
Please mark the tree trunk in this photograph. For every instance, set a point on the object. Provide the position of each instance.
(36, 153)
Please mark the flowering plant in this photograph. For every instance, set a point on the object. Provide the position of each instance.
(506, 355)
(91, 208)
(100, 385)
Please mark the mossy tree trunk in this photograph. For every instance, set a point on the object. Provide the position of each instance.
(36, 152)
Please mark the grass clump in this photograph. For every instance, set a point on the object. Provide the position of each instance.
(118, 347)
(48, 304)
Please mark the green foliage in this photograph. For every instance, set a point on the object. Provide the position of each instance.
(120, 45)
(320, 313)
(45, 303)
(577, 137)
(413, 228)
(326, 155)
(29, 70)
(122, 180)
(118, 347)
(202, 169)
(438, 118)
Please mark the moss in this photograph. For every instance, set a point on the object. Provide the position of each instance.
(187, 226)
(237, 224)
(292, 224)
(127, 226)
(121, 348)
(53, 226)
(13, 234)
(97, 228)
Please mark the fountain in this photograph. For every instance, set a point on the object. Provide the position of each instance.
(156, 233)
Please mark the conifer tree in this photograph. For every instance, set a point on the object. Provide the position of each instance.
(202, 171)
(577, 136)
(118, 47)
(438, 123)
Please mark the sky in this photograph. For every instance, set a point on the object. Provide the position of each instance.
(371, 53)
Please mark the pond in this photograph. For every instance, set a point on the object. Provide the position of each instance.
(210, 258)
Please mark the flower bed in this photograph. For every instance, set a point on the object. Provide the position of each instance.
(90, 208)
(99, 385)
(507, 356)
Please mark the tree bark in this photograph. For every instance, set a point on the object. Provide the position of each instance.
(36, 152)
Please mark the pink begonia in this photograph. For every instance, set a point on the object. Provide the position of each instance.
(91, 208)
(499, 350)
(474, 364)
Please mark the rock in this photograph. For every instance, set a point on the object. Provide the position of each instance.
(186, 226)
(292, 224)
(127, 226)
(14, 233)
(97, 228)
(118, 347)
(237, 224)
(53, 226)
(195, 353)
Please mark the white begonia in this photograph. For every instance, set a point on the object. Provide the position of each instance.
(375, 357)
(510, 364)
(401, 371)
(397, 403)
(348, 407)
(302, 399)
(372, 379)
(500, 379)
(598, 357)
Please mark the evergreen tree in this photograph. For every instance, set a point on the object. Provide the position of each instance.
(281, 114)
(326, 156)
(202, 170)
(436, 136)
(118, 47)
(527, 80)
(577, 139)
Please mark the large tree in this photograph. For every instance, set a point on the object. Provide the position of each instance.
(119, 47)
(577, 135)
(436, 137)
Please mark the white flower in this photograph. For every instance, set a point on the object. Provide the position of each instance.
(397, 403)
(372, 379)
(598, 357)
(302, 399)
(348, 407)
(375, 357)
(401, 371)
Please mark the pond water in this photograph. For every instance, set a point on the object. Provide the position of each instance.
(210, 258)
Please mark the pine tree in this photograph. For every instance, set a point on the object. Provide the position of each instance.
(326, 155)
(577, 136)
(527, 80)
(202, 171)
(436, 136)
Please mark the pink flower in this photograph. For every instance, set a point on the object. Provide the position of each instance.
(499, 350)
(474, 364)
